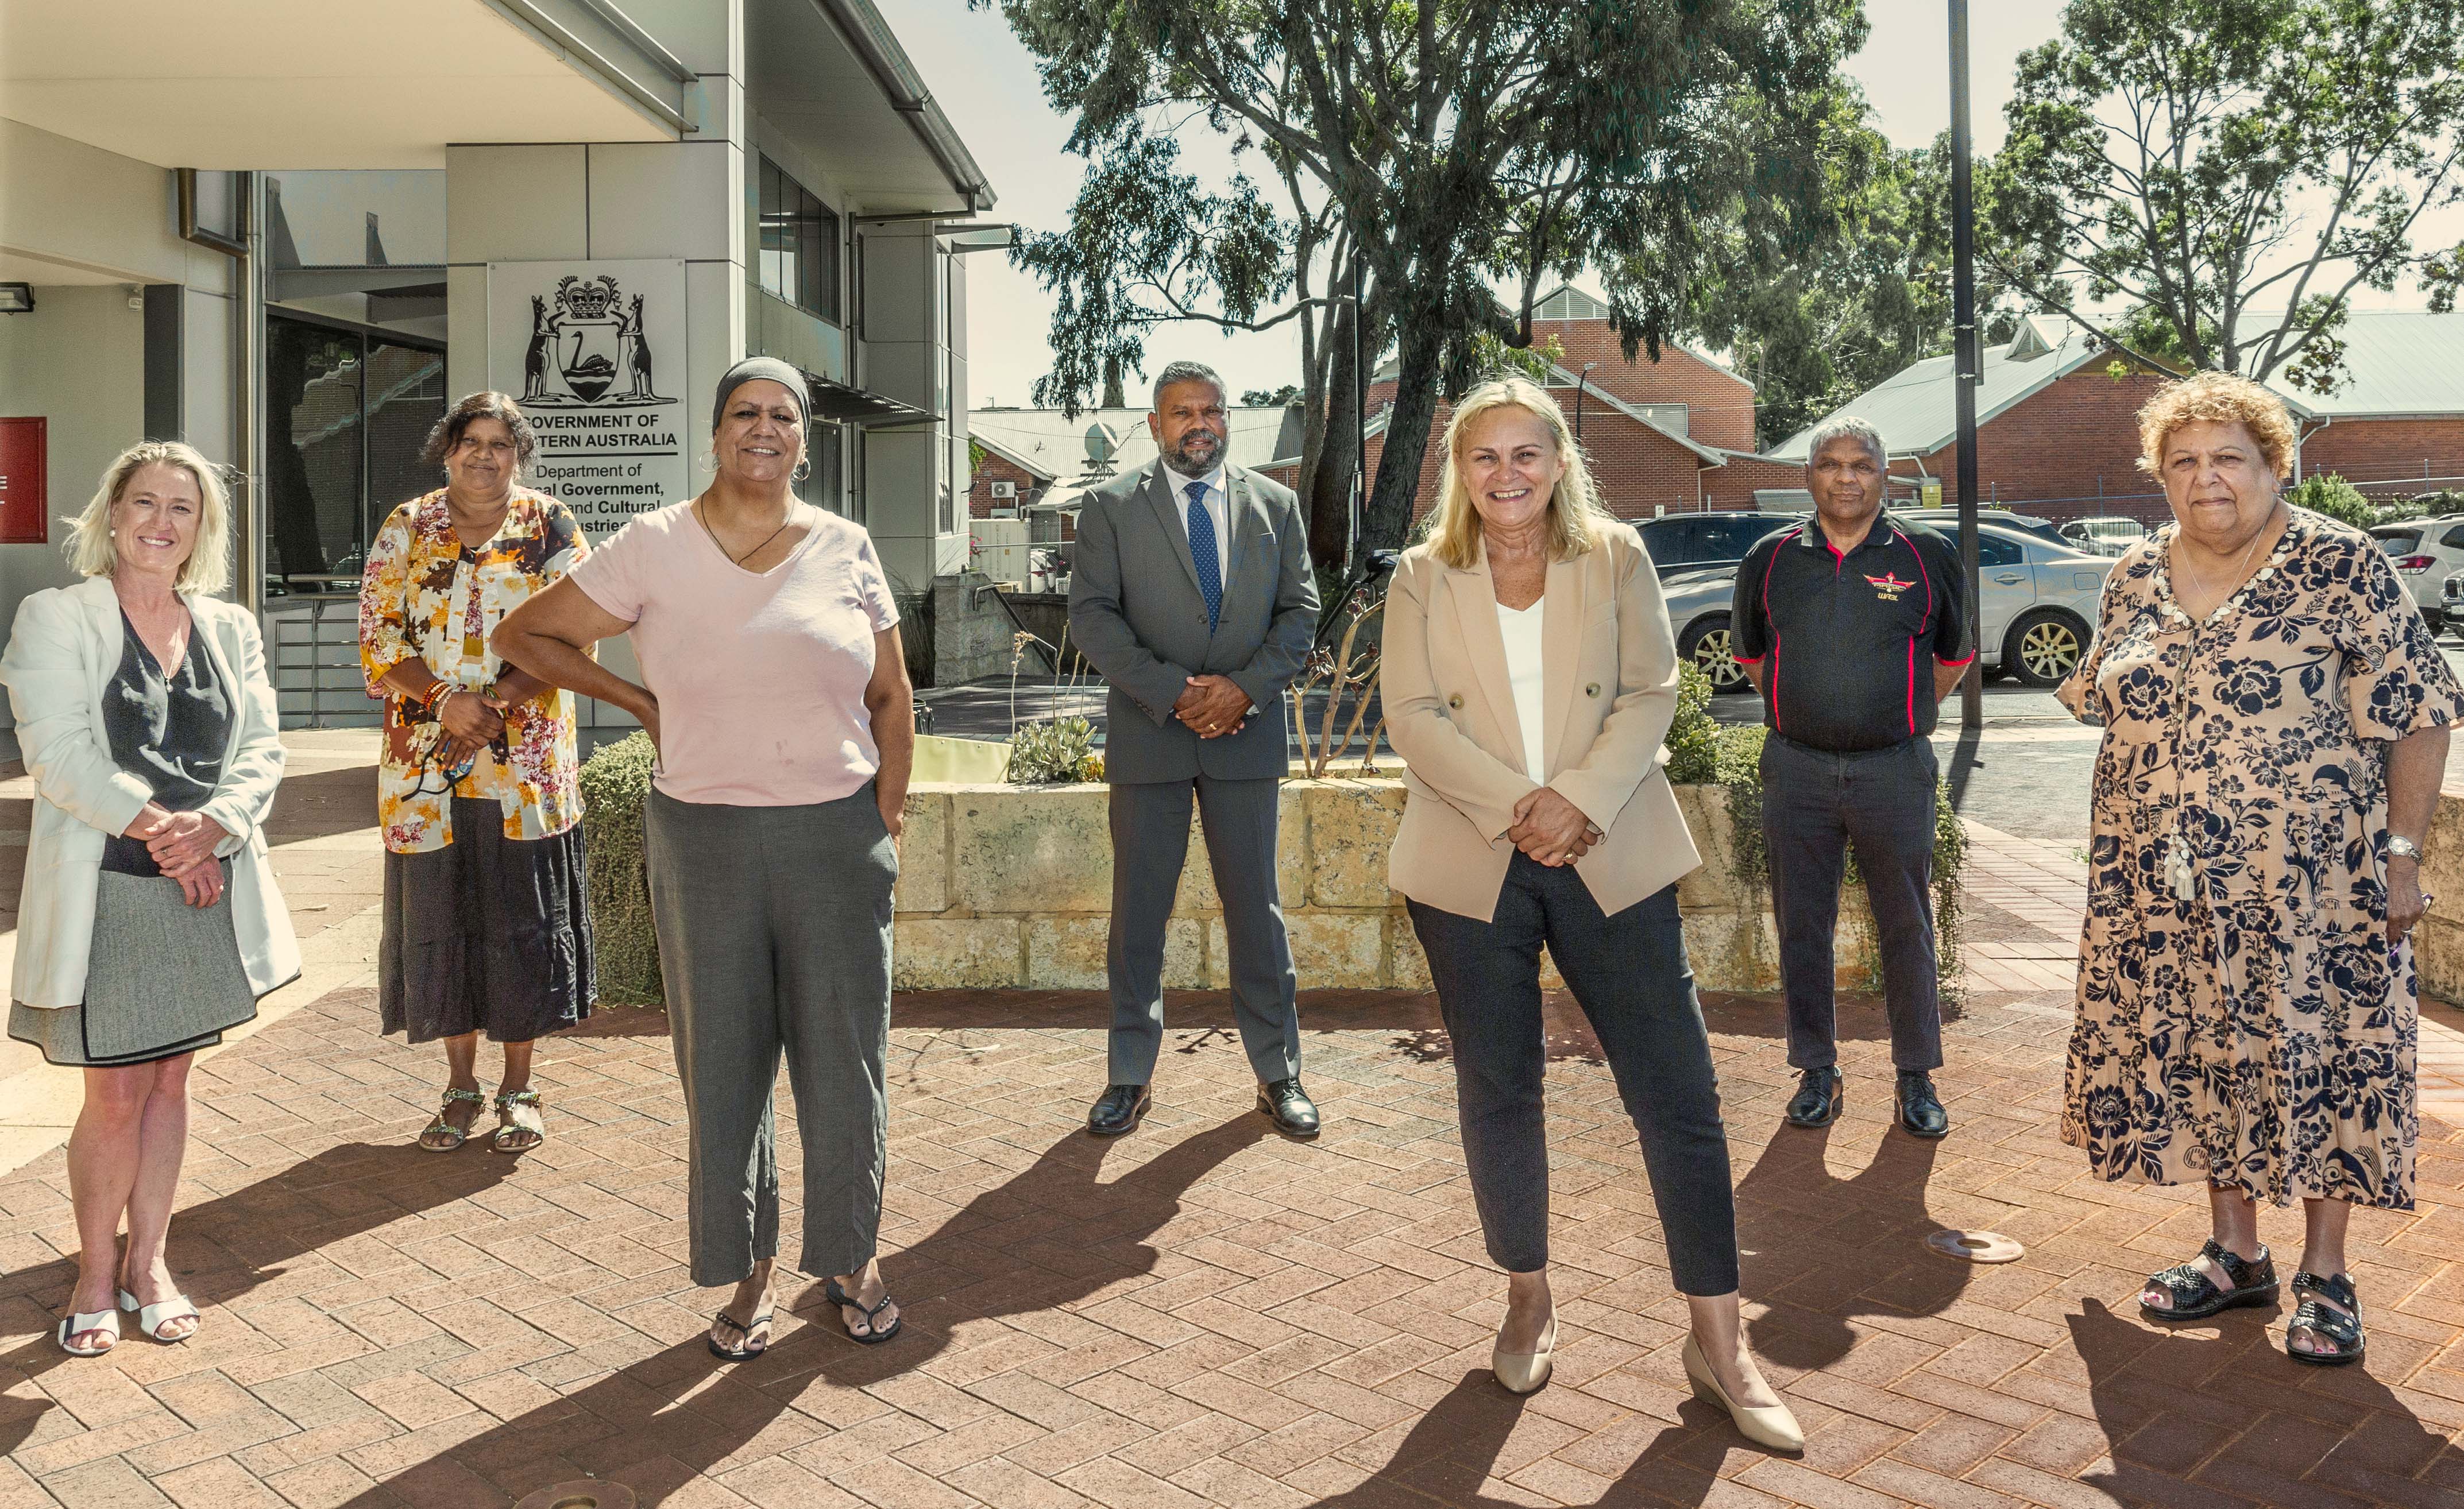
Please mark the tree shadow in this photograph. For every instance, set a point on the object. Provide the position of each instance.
(223, 1248)
(1052, 1235)
(1821, 1249)
(2219, 1404)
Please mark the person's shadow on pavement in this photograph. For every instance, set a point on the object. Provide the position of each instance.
(1051, 1236)
(1821, 1250)
(226, 1247)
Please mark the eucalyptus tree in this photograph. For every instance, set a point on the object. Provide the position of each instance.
(1453, 146)
(2231, 173)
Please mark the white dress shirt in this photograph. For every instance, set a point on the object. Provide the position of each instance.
(1218, 508)
(1521, 632)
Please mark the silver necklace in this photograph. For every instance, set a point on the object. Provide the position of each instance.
(737, 560)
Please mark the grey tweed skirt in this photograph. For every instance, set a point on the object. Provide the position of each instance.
(161, 978)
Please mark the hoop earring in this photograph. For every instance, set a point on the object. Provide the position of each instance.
(710, 459)
(804, 468)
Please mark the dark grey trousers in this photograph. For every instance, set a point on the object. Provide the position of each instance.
(1150, 844)
(1816, 803)
(1629, 975)
(774, 942)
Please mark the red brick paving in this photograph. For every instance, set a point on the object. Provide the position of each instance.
(1202, 1313)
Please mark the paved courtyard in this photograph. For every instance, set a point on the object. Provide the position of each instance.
(1201, 1313)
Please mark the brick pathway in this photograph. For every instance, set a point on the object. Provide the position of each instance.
(1202, 1313)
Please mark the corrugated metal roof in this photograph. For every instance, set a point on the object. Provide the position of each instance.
(1915, 411)
(2396, 361)
(1047, 440)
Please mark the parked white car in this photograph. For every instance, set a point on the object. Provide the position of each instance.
(2424, 551)
(2040, 610)
(2104, 536)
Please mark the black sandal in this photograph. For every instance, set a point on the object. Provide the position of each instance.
(2195, 1295)
(2342, 1327)
(744, 1329)
(872, 1336)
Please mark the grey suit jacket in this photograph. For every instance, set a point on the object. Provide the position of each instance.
(1137, 614)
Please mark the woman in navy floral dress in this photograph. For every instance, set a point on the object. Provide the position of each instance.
(2275, 714)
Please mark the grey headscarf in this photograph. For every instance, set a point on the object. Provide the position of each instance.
(756, 369)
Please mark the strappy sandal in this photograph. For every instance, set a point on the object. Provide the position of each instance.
(743, 1328)
(509, 1131)
(455, 1136)
(152, 1318)
(2195, 1295)
(872, 1336)
(2341, 1327)
(106, 1321)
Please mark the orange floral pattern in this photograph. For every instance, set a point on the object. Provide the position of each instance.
(426, 593)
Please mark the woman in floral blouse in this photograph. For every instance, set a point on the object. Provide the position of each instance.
(485, 922)
(2276, 717)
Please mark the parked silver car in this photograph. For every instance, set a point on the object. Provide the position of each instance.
(2040, 610)
(2423, 552)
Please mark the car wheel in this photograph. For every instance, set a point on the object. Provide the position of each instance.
(2044, 647)
(1706, 643)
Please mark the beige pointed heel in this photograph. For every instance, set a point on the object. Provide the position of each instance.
(1773, 1427)
(1523, 1373)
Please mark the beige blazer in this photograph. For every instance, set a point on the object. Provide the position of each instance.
(62, 654)
(1609, 680)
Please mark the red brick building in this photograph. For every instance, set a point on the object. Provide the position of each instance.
(2058, 430)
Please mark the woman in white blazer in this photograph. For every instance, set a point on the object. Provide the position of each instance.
(149, 923)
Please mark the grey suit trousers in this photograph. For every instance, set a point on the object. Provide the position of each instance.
(1150, 844)
(774, 942)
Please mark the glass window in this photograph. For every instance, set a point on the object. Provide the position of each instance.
(1999, 550)
(1734, 537)
(823, 486)
(2453, 538)
(800, 245)
(347, 413)
(2400, 541)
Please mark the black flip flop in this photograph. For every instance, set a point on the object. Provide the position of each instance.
(744, 1329)
(872, 1338)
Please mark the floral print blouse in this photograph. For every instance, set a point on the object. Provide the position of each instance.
(426, 593)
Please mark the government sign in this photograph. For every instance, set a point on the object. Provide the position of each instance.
(599, 348)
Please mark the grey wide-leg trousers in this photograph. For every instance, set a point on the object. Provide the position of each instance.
(774, 942)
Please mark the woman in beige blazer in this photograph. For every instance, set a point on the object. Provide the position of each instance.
(1530, 678)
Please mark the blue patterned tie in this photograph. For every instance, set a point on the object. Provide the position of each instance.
(1201, 553)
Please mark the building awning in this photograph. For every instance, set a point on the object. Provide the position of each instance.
(843, 404)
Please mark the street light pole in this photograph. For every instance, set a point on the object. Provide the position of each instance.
(1966, 365)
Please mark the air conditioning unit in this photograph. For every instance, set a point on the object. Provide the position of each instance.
(1004, 489)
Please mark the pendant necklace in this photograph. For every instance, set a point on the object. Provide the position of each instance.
(739, 560)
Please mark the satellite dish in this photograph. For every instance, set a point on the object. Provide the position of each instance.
(1101, 443)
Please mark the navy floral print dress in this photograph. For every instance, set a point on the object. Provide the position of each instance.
(2261, 1032)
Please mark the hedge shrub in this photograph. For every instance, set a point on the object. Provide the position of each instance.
(615, 786)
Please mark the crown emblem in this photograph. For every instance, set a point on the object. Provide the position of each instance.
(586, 300)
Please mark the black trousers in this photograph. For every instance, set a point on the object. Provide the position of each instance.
(1816, 803)
(1629, 975)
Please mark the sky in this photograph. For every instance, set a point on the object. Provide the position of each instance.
(985, 81)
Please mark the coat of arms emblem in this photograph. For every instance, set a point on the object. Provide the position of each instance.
(594, 346)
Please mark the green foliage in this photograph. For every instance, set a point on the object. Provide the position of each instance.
(2444, 504)
(615, 786)
(1052, 750)
(2200, 160)
(1272, 398)
(2335, 497)
(1453, 146)
(1693, 737)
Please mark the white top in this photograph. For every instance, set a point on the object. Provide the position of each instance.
(1218, 508)
(1522, 631)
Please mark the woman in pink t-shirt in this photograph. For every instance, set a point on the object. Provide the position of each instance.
(777, 694)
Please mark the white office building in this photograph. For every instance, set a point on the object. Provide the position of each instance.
(292, 232)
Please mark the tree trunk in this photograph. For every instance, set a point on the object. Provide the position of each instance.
(1398, 482)
(1114, 397)
(1328, 473)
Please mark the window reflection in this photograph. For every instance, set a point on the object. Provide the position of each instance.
(346, 415)
(800, 245)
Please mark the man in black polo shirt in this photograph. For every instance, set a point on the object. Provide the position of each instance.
(1850, 627)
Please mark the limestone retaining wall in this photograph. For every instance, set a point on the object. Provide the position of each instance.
(2438, 939)
(1011, 886)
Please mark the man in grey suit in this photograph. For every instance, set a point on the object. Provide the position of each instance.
(1191, 592)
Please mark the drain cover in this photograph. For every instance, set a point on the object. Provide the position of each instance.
(583, 1493)
(1972, 1247)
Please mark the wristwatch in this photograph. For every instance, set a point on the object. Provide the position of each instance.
(2400, 848)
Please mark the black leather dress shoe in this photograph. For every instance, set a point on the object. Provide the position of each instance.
(1120, 1110)
(1819, 1099)
(1289, 1106)
(1920, 1110)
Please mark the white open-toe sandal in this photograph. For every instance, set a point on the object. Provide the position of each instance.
(104, 1321)
(152, 1318)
